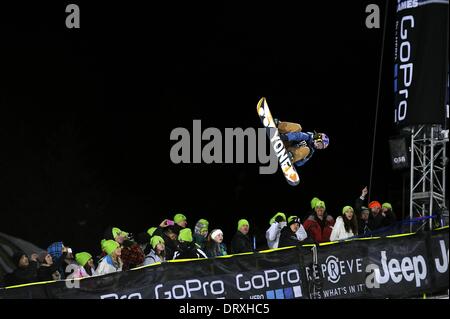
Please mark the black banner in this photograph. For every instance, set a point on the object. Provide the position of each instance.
(398, 267)
(420, 62)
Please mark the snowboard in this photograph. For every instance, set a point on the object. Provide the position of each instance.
(289, 171)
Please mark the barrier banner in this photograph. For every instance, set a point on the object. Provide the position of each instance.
(339, 271)
(399, 267)
(439, 260)
(393, 267)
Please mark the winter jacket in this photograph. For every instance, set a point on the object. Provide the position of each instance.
(216, 250)
(363, 227)
(23, 275)
(81, 272)
(274, 232)
(188, 250)
(200, 240)
(301, 139)
(319, 230)
(153, 258)
(107, 266)
(339, 232)
(241, 243)
(288, 237)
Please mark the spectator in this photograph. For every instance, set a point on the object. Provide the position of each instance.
(114, 233)
(318, 226)
(277, 223)
(388, 214)
(157, 253)
(26, 271)
(201, 233)
(86, 267)
(241, 242)
(187, 248)
(359, 202)
(167, 232)
(288, 235)
(112, 261)
(143, 240)
(215, 245)
(131, 255)
(363, 222)
(56, 250)
(346, 226)
(376, 218)
(180, 223)
(51, 270)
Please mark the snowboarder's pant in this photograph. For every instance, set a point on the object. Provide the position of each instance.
(298, 153)
(287, 127)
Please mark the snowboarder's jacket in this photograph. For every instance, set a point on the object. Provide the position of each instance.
(241, 243)
(188, 250)
(300, 139)
(319, 230)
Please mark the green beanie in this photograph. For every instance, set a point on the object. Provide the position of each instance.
(179, 218)
(110, 246)
(185, 235)
(102, 244)
(291, 218)
(387, 205)
(156, 240)
(117, 232)
(151, 230)
(313, 202)
(82, 258)
(272, 220)
(319, 203)
(346, 208)
(242, 222)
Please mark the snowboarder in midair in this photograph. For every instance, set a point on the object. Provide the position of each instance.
(301, 146)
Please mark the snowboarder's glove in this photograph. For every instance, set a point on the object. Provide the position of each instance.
(317, 136)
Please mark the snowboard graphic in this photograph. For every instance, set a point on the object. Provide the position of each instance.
(286, 165)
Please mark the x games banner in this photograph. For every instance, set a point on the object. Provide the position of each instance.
(420, 62)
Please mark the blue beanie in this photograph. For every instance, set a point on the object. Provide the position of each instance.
(55, 250)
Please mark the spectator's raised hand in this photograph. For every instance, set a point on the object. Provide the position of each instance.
(364, 192)
(164, 223)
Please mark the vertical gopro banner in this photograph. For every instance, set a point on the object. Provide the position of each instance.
(420, 62)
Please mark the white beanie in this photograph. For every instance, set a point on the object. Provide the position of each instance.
(216, 232)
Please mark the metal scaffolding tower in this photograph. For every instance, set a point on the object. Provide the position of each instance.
(428, 170)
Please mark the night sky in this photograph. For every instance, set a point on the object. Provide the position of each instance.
(86, 114)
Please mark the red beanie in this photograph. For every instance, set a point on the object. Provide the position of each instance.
(374, 204)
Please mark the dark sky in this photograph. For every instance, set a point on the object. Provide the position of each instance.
(86, 114)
